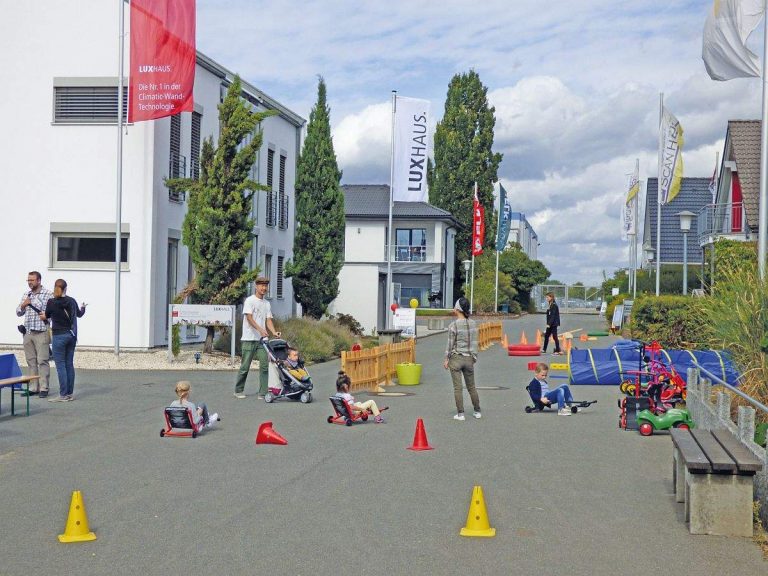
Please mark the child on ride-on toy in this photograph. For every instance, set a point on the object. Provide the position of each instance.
(342, 391)
(539, 390)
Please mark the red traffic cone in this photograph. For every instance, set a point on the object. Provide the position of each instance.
(266, 435)
(420, 438)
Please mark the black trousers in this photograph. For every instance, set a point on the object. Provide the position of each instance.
(551, 331)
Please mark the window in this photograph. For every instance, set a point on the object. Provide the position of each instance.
(194, 147)
(267, 272)
(72, 250)
(87, 104)
(283, 199)
(271, 208)
(172, 274)
(279, 281)
(410, 244)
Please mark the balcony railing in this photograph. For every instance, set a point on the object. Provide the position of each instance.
(408, 253)
(283, 218)
(272, 202)
(716, 220)
(177, 168)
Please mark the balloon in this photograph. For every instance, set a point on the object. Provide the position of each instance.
(393, 306)
(356, 346)
(414, 303)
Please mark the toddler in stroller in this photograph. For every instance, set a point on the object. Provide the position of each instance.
(287, 376)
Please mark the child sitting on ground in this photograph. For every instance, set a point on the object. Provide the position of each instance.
(343, 383)
(540, 392)
(199, 413)
(296, 366)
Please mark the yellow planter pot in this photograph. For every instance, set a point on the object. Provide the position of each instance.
(408, 374)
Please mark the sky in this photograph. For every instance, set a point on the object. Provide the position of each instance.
(575, 85)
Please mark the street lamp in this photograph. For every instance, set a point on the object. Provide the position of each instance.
(686, 218)
(467, 264)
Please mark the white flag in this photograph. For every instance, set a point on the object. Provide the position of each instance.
(670, 157)
(409, 165)
(629, 210)
(726, 30)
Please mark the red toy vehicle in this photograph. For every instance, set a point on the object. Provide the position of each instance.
(664, 383)
(343, 413)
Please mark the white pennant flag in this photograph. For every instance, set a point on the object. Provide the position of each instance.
(726, 30)
(409, 182)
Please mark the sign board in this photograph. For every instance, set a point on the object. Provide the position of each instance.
(618, 316)
(603, 307)
(614, 291)
(202, 314)
(405, 320)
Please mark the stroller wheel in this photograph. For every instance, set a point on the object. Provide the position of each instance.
(306, 397)
(269, 397)
(330, 419)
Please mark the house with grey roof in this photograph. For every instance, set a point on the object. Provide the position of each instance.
(422, 255)
(694, 195)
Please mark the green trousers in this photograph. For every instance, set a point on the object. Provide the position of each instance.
(251, 348)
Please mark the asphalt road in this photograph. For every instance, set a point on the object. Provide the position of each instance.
(567, 495)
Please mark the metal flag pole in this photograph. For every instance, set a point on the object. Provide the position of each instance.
(389, 292)
(762, 232)
(119, 215)
(636, 226)
(498, 230)
(658, 199)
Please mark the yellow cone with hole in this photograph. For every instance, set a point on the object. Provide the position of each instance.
(77, 522)
(477, 519)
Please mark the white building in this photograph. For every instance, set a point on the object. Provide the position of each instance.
(521, 231)
(422, 255)
(58, 112)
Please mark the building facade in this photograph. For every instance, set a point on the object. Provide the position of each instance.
(59, 176)
(422, 255)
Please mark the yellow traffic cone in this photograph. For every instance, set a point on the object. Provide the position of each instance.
(77, 522)
(477, 518)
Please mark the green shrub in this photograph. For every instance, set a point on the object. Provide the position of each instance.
(434, 311)
(349, 321)
(674, 321)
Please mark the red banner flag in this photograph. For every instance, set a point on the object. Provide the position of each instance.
(478, 226)
(162, 58)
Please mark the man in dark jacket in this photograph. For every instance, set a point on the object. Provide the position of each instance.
(553, 321)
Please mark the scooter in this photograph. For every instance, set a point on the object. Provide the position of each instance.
(649, 422)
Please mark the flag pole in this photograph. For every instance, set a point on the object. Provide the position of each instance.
(389, 294)
(118, 214)
(658, 199)
(762, 232)
(636, 224)
(498, 229)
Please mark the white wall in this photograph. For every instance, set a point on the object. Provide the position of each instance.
(358, 294)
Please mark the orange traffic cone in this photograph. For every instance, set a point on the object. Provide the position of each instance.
(505, 341)
(77, 522)
(420, 438)
(523, 338)
(538, 337)
(266, 435)
(583, 338)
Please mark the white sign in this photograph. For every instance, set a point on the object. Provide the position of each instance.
(614, 291)
(202, 314)
(409, 171)
(405, 319)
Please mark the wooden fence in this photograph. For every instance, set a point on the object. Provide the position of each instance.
(489, 332)
(370, 368)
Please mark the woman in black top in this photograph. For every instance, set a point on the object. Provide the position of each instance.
(63, 313)
(553, 321)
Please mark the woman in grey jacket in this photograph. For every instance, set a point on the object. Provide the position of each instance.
(460, 357)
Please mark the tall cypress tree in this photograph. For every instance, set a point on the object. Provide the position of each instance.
(218, 228)
(463, 156)
(318, 248)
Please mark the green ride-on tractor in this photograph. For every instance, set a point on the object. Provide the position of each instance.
(648, 422)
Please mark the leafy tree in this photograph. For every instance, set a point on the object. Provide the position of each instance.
(524, 272)
(463, 155)
(218, 226)
(318, 248)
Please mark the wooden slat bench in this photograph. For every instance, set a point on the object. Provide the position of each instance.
(713, 474)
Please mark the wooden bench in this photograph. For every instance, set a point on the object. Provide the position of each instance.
(10, 375)
(713, 475)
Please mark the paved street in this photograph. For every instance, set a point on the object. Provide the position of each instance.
(567, 496)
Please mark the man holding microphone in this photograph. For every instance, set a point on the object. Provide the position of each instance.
(37, 339)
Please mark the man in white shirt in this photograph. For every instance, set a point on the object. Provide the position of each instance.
(257, 324)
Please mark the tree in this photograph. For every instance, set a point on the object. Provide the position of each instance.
(218, 226)
(463, 156)
(525, 273)
(318, 248)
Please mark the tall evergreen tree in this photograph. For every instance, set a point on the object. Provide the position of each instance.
(463, 156)
(318, 248)
(218, 228)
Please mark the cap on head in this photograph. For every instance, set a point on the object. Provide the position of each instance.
(262, 280)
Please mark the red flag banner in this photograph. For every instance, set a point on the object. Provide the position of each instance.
(162, 58)
(478, 227)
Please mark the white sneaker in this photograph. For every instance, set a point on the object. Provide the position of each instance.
(212, 419)
(477, 415)
(459, 416)
(564, 412)
(239, 395)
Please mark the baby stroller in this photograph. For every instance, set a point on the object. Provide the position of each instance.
(282, 384)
